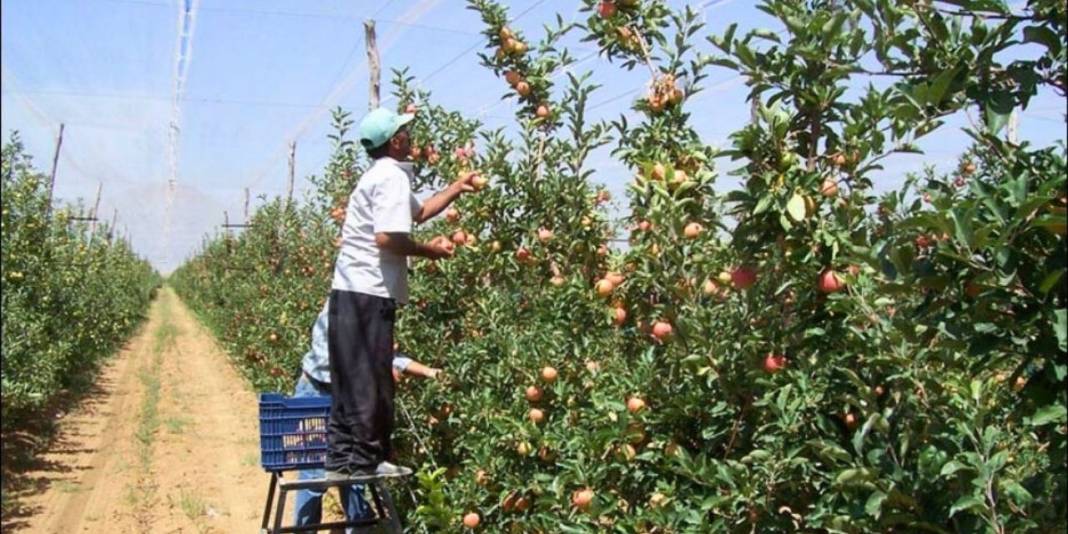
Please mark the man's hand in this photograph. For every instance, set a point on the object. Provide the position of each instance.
(433, 373)
(466, 183)
(439, 247)
(402, 244)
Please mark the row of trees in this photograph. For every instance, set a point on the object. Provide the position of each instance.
(71, 294)
(798, 353)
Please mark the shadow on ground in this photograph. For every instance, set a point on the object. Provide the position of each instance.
(23, 469)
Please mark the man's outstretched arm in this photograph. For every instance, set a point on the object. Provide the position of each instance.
(437, 203)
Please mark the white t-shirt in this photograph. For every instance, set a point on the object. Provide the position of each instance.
(382, 202)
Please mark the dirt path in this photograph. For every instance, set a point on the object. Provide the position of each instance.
(168, 443)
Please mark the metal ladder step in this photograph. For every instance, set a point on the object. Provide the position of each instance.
(387, 519)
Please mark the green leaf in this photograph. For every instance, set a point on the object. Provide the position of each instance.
(1053, 413)
(850, 476)
(997, 109)
(939, 86)
(757, 455)
(834, 26)
(1017, 493)
(962, 227)
(965, 503)
(1060, 327)
(796, 207)
(1044, 36)
(763, 204)
(952, 467)
(862, 434)
(874, 506)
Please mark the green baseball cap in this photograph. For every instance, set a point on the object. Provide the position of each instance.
(380, 125)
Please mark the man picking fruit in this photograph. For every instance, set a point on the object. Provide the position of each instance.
(370, 281)
(314, 382)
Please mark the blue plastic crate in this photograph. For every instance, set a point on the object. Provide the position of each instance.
(293, 431)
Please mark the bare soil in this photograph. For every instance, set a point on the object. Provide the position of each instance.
(165, 441)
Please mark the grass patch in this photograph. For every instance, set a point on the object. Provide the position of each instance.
(132, 498)
(251, 459)
(148, 421)
(192, 505)
(67, 486)
(177, 424)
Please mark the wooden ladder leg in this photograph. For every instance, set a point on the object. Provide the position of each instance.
(384, 507)
(270, 499)
(394, 518)
(280, 511)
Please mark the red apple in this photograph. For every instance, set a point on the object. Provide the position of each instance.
(743, 277)
(471, 520)
(830, 282)
(773, 363)
(522, 254)
(536, 415)
(582, 498)
(523, 88)
(604, 288)
(692, 230)
(710, 289)
(850, 420)
(662, 330)
(829, 188)
(606, 9)
(548, 374)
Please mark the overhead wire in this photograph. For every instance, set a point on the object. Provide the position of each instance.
(419, 10)
(421, 82)
(185, 98)
(412, 14)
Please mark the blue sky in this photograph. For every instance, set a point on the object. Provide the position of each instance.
(258, 74)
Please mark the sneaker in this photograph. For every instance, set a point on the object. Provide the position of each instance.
(386, 469)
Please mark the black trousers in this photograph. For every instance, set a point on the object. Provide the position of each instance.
(360, 341)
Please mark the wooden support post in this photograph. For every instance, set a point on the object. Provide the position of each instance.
(292, 171)
(55, 163)
(246, 205)
(96, 208)
(373, 62)
(114, 221)
(226, 222)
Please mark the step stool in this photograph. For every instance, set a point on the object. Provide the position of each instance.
(382, 502)
(292, 438)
